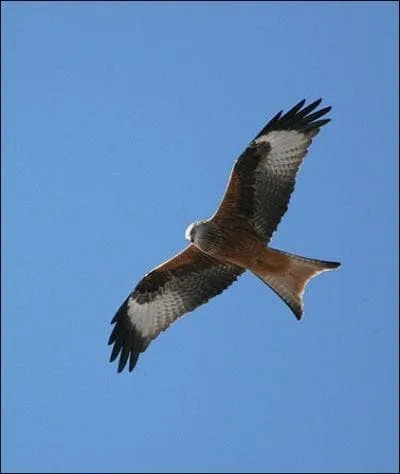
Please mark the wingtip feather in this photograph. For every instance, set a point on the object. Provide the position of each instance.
(298, 118)
(115, 351)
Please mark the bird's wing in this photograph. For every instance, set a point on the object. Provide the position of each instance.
(172, 289)
(263, 177)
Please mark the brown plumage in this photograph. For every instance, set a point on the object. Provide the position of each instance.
(232, 241)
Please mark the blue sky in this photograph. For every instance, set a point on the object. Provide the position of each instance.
(121, 122)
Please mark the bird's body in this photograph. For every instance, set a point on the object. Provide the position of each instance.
(233, 240)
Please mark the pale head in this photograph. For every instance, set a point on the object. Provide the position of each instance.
(191, 230)
(205, 235)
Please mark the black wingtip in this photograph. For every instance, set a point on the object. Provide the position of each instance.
(115, 351)
(133, 360)
(128, 342)
(298, 118)
(297, 107)
(114, 319)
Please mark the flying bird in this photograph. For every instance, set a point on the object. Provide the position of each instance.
(233, 240)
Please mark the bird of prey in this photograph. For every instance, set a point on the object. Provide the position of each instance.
(233, 240)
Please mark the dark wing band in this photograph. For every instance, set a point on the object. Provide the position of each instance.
(263, 178)
(169, 291)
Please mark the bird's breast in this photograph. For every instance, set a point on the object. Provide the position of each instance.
(230, 243)
(209, 238)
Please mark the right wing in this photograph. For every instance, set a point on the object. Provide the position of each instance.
(178, 286)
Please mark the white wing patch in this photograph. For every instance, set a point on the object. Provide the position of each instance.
(287, 149)
(155, 316)
(277, 137)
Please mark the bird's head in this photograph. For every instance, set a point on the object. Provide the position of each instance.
(206, 235)
(190, 232)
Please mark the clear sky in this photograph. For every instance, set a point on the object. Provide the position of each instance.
(121, 123)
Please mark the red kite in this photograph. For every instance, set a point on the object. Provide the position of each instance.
(233, 240)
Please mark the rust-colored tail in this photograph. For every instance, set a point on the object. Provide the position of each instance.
(288, 275)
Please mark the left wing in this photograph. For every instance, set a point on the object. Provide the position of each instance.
(263, 177)
(178, 286)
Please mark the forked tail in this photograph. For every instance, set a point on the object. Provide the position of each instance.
(288, 275)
